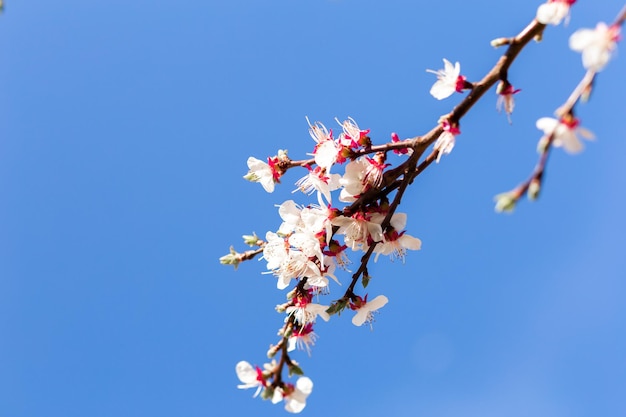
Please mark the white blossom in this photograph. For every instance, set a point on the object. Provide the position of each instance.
(364, 309)
(357, 229)
(449, 80)
(251, 377)
(360, 175)
(352, 134)
(565, 133)
(318, 180)
(554, 11)
(295, 401)
(396, 244)
(307, 312)
(596, 45)
(290, 213)
(445, 142)
(261, 172)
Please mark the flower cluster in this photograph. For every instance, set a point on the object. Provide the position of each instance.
(313, 240)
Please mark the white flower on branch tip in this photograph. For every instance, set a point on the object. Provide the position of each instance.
(250, 376)
(596, 45)
(554, 11)
(449, 80)
(263, 173)
(364, 309)
(445, 142)
(294, 396)
(565, 133)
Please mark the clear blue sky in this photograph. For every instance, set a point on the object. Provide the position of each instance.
(124, 131)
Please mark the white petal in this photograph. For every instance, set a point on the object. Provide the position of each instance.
(581, 39)
(293, 405)
(305, 385)
(255, 164)
(375, 231)
(441, 90)
(360, 317)
(570, 142)
(268, 184)
(547, 124)
(246, 373)
(398, 221)
(377, 302)
(586, 133)
(278, 395)
(410, 242)
(319, 310)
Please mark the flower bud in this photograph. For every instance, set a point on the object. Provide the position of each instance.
(251, 240)
(533, 189)
(505, 202)
(500, 42)
(233, 258)
(282, 155)
(272, 351)
(280, 308)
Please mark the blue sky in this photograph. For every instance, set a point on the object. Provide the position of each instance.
(124, 131)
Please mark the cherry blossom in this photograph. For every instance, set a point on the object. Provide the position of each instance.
(318, 180)
(295, 396)
(596, 45)
(304, 311)
(326, 149)
(295, 265)
(275, 250)
(307, 243)
(445, 141)
(352, 135)
(565, 131)
(396, 244)
(266, 174)
(365, 309)
(318, 278)
(505, 98)
(290, 212)
(303, 338)
(449, 80)
(316, 219)
(361, 175)
(336, 251)
(251, 377)
(357, 229)
(554, 11)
